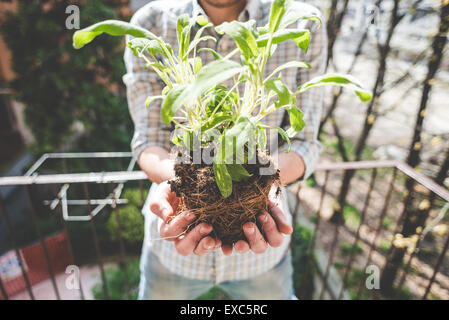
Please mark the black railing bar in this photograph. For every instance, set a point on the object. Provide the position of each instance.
(437, 268)
(69, 243)
(331, 256)
(311, 248)
(42, 242)
(432, 224)
(379, 227)
(121, 242)
(96, 244)
(357, 235)
(9, 229)
(2, 290)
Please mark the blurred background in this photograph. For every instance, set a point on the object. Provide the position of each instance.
(371, 223)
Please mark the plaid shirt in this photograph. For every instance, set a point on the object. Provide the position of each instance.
(160, 17)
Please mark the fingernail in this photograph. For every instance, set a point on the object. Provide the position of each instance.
(251, 230)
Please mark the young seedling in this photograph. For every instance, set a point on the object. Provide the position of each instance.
(230, 119)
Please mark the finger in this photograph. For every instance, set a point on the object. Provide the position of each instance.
(274, 237)
(206, 245)
(255, 239)
(189, 242)
(160, 204)
(227, 249)
(241, 246)
(280, 219)
(177, 225)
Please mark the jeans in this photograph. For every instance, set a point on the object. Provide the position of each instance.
(158, 283)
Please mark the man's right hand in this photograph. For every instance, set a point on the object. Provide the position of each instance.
(164, 203)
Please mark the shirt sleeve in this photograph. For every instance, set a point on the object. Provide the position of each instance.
(149, 130)
(306, 143)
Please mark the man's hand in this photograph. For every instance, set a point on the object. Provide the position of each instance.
(164, 203)
(274, 226)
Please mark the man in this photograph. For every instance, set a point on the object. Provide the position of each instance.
(183, 267)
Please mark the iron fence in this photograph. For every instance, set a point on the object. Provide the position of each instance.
(359, 240)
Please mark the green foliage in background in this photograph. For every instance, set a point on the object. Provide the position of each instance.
(130, 218)
(120, 286)
(303, 262)
(60, 86)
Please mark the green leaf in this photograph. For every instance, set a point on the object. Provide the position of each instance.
(217, 120)
(223, 178)
(296, 118)
(243, 131)
(169, 107)
(112, 27)
(293, 16)
(209, 76)
(151, 99)
(345, 81)
(300, 36)
(284, 135)
(290, 64)
(237, 172)
(216, 55)
(284, 94)
(278, 9)
(195, 42)
(188, 139)
(144, 44)
(242, 36)
(262, 138)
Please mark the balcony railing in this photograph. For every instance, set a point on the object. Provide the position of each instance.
(338, 253)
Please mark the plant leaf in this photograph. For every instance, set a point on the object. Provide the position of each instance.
(292, 16)
(284, 135)
(300, 36)
(169, 108)
(296, 118)
(209, 76)
(195, 42)
(223, 178)
(284, 94)
(152, 46)
(242, 36)
(262, 138)
(216, 55)
(345, 81)
(151, 99)
(278, 9)
(237, 172)
(112, 27)
(290, 64)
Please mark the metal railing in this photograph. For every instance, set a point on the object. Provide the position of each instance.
(379, 178)
(371, 220)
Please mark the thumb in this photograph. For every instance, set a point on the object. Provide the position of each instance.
(159, 203)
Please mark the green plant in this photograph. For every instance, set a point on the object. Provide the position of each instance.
(130, 218)
(120, 286)
(60, 88)
(351, 216)
(303, 262)
(206, 111)
(346, 248)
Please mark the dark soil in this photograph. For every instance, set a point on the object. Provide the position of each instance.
(196, 186)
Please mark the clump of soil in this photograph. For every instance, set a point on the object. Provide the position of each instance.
(196, 186)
